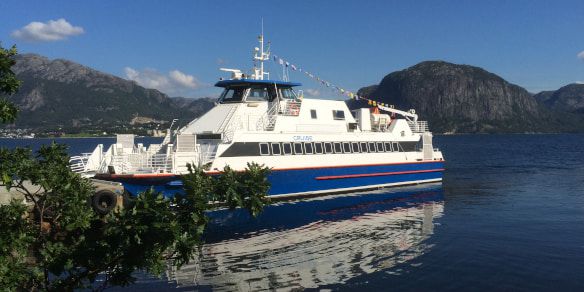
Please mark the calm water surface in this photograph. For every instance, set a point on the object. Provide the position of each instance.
(508, 216)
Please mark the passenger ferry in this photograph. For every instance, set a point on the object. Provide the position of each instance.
(313, 146)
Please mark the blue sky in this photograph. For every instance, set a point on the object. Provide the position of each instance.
(178, 46)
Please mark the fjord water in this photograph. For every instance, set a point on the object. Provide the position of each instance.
(509, 215)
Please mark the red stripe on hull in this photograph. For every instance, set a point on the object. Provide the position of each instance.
(376, 174)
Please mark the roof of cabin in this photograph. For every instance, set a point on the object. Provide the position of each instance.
(235, 82)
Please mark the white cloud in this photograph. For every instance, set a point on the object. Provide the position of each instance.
(173, 83)
(581, 55)
(312, 92)
(183, 79)
(53, 30)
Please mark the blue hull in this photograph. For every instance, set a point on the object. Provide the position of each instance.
(309, 181)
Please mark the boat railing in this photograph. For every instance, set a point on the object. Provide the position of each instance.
(291, 108)
(268, 120)
(418, 126)
(78, 163)
(141, 163)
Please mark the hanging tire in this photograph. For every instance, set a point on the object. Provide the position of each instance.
(104, 202)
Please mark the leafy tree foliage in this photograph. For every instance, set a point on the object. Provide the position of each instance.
(54, 241)
(8, 84)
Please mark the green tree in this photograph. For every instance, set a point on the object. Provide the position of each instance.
(8, 84)
(54, 241)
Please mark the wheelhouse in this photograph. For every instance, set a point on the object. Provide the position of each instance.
(251, 90)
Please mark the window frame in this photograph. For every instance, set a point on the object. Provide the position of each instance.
(387, 146)
(298, 144)
(340, 117)
(268, 148)
(348, 144)
(272, 144)
(284, 148)
(369, 143)
(315, 147)
(313, 114)
(311, 148)
(330, 144)
(340, 151)
(364, 149)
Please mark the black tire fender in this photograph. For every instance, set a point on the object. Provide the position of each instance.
(104, 201)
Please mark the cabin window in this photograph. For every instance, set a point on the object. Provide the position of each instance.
(338, 115)
(371, 146)
(308, 148)
(388, 147)
(313, 114)
(364, 148)
(287, 93)
(355, 146)
(338, 147)
(287, 148)
(328, 147)
(298, 148)
(233, 94)
(276, 149)
(379, 146)
(347, 147)
(258, 93)
(318, 147)
(264, 149)
(396, 146)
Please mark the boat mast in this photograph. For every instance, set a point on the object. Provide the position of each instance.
(261, 55)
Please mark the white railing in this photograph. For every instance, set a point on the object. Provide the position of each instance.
(268, 119)
(141, 163)
(78, 164)
(418, 126)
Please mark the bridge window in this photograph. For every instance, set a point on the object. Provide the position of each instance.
(346, 147)
(287, 148)
(258, 93)
(264, 149)
(308, 148)
(233, 94)
(276, 149)
(298, 148)
(328, 147)
(355, 146)
(338, 115)
(318, 147)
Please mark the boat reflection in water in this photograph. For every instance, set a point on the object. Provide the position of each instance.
(315, 242)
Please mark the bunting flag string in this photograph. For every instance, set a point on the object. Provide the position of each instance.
(334, 87)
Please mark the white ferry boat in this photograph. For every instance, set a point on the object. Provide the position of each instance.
(313, 146)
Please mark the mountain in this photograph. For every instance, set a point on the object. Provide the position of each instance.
(463, 99)
(569, 98)
(61, 94)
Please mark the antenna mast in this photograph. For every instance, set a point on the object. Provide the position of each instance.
(261, 55)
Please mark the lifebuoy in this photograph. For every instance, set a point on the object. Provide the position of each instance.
(104, 201)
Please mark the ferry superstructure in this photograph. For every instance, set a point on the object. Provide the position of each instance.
(313, 146)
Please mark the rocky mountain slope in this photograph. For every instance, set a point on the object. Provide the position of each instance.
(569, 98)
(63, 94)
(463, 99)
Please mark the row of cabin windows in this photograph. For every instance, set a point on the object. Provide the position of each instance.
(299, 148)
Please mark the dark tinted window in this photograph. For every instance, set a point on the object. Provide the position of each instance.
(371, 146)
(287, 148)
(364, 148)
(298, 148)
(276, 149)
(328, 147)
(355, 146)
(313, 113)
(258, 93)
(347, 147)
(338, 115)
(318, 147)
(234, 94)
(380, 147)
(396, 147)
(338, 148)
(387, 146)
(264, 149)
(308, 148)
